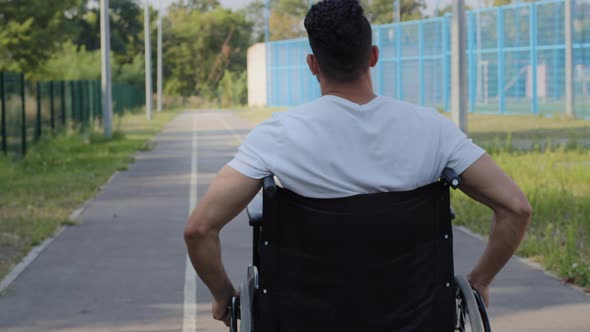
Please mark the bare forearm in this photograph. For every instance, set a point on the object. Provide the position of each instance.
(205, 254)
(506, 233)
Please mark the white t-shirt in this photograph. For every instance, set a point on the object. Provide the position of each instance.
(332, 147)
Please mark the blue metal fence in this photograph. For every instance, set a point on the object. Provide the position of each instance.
(515, 61)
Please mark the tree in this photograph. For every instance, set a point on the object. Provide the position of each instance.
(381, 11)
(200, 5)
(286, 19)
(254, 12)
(29, 35)
(200, 46)
(126, 18)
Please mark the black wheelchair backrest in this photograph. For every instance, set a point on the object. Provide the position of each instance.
(373, 262)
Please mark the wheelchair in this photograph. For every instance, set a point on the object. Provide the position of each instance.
(370, 262)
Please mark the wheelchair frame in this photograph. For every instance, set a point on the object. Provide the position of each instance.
(471, 314)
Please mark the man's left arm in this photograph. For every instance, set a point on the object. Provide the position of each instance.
(227, 196)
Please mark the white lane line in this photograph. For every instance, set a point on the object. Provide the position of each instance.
(239, 138)
(189, 319)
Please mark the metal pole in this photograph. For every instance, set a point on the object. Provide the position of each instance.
(160, 73)
(458, 66)
(267, 49)
(23, 115)
(479, 71)
(38, 119)
(105, 47)
(533, 56)
(569, 60)
(52, 104)
(148, 63)
(396, 11)
(3, 111)
(63, 103)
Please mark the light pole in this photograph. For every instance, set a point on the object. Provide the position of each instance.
(105, 51)
(569, 60)
(160, 73)
(396, 11)
(458, 66)
(267, 48)
(148, 63)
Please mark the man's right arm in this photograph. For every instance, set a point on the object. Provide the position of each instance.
(486, 182)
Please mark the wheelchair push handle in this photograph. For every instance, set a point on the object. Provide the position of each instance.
(269, 188)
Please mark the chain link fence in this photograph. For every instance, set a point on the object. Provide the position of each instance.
(515, 61)
(31, 110)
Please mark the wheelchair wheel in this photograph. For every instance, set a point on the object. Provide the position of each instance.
(469, 317)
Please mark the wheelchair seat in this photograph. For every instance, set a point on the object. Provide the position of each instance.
(370, 262)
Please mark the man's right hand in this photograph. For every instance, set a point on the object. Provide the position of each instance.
(483, 290)
(485, 182)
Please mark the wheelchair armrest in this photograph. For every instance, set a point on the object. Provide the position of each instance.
(254, 210)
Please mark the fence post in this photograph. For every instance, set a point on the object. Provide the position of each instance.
(472, 72)
(533, 56)
(81, 107)
(445, 62)
(3, 111)
(458, 67)
(63, 103)
(288, 74)
(89, 88)
(398, 52)
(421, 60)
(38, 119)
(569, 60)
(52, 104)
(23, 115)
(379, 63)
(73, 103)
(500, 58)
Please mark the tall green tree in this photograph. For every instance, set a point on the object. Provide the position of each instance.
(200, 46)
(126, 19)
(32, 30)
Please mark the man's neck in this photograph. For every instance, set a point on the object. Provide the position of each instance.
(359, 92)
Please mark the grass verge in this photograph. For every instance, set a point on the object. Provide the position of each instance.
(550, 160)
(39, 192)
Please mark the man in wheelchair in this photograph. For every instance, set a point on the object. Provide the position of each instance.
(357, 237)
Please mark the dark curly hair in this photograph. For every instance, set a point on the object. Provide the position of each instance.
(340, 37)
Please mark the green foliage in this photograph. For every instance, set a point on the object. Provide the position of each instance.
(381, 11)
(254, 12)
(286, 19)
(126, 21)
(233, 89)
(200, 46)
(72, 63)
(32, 31)
(557, 183)
(199, 5)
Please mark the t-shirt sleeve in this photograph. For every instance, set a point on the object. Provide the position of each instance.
(458, 151)
(255, 156)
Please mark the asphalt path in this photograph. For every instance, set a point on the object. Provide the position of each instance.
(124, 267)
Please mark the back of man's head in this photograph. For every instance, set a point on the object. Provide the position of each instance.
(341, 38)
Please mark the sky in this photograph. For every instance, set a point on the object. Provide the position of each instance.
(234, 4)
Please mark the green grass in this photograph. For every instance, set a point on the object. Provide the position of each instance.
(557, 184)
(550, 160)
(39, 192)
